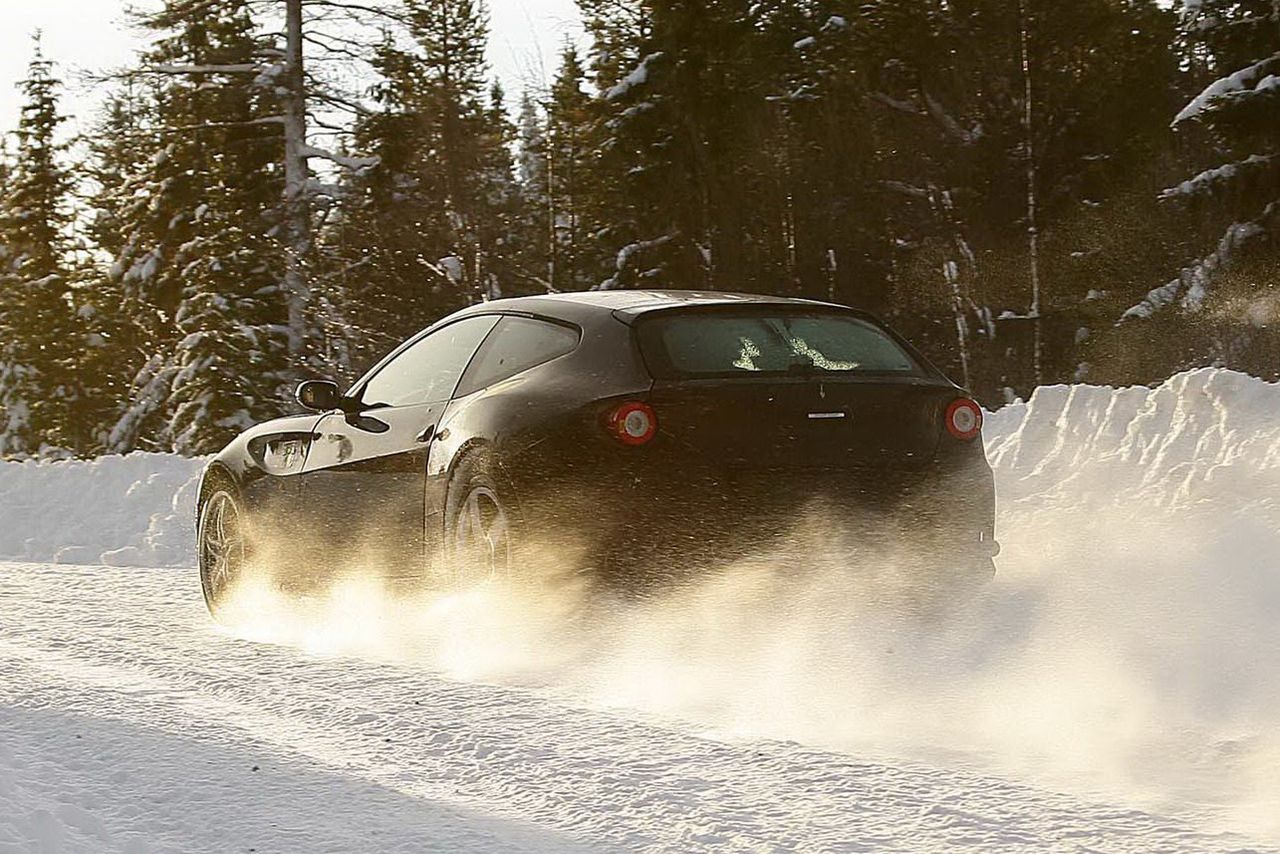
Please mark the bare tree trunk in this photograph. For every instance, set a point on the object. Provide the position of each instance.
(831, 271)
(944, 207)
(1033, 228)
(549, 167)
(571, 209)
(297, 215)
(951, 272)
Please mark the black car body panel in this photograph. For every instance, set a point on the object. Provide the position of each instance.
(732, 455)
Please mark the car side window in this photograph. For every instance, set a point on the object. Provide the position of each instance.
(429, 369)
(517, 344)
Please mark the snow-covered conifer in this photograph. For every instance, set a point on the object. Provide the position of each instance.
(212, 170)
(440, 181)
(1237, 42)
(573, 178)
(39, 329)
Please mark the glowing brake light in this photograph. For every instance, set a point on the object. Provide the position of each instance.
(964, 419)
(632, 423)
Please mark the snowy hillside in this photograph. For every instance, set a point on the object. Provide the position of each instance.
(1117, 688)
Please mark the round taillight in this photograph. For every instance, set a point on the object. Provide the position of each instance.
(964, 419)
(633, 423)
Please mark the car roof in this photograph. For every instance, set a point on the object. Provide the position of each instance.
(628, 305)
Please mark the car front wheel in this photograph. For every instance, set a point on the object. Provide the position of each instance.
(221, 539)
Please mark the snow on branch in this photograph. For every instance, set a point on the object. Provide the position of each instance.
(910, 190)
(353, 163)
(638, 77)
(933, 110)
(366, 9)
(1268, 87)
(238, 68)
(1193, 282)
(264, 120)
(1253, 78)
(625, 260)
(949, 123)
(898, 104)
(1191, 8)
(1212, 180)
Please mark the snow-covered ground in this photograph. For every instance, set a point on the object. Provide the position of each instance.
(1117, 688)
(136, 510)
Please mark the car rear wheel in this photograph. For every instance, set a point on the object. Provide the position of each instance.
(221, 538)
(482, 522)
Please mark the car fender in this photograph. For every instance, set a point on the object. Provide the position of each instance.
(241, 463)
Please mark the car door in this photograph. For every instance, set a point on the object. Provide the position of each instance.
(365, 475)
(492, 400)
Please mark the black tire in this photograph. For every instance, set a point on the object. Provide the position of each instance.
(222, 544)
(482, 522)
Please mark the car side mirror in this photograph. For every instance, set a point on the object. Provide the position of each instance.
(319, 395)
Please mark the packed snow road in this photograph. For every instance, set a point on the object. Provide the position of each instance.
(1117, 688)
(137, 726)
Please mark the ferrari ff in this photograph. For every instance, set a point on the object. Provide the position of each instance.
(647, 429)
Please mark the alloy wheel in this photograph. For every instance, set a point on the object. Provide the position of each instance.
(482, 535)
(222, 546)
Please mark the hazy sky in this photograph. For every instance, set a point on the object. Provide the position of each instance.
(90, 34)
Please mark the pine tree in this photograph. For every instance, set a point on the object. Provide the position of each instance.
(39, 330)
(213, 172)
(533, 144)
(688, 144)
(572, 179)
(496, 231)
(997, 123)
(120, 147)
(536, 211)
(831, 208)
(431, 224)
(562, 180)
(546, 224)
(391, 232)
(465, 162)
(234, 339)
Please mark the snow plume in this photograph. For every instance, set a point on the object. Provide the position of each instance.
(1129, 646)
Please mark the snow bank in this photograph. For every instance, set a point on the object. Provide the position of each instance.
(1207, 439)
(134, 510)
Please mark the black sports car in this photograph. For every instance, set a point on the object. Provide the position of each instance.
(643, 428)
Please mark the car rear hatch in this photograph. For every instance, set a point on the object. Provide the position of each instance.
(788, 386)
(802, 423)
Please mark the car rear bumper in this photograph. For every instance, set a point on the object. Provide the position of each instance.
(943, 512)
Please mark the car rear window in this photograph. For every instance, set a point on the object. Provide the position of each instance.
(729, 344)
(517, 344)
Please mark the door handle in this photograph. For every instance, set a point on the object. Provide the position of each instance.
(426, 435)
